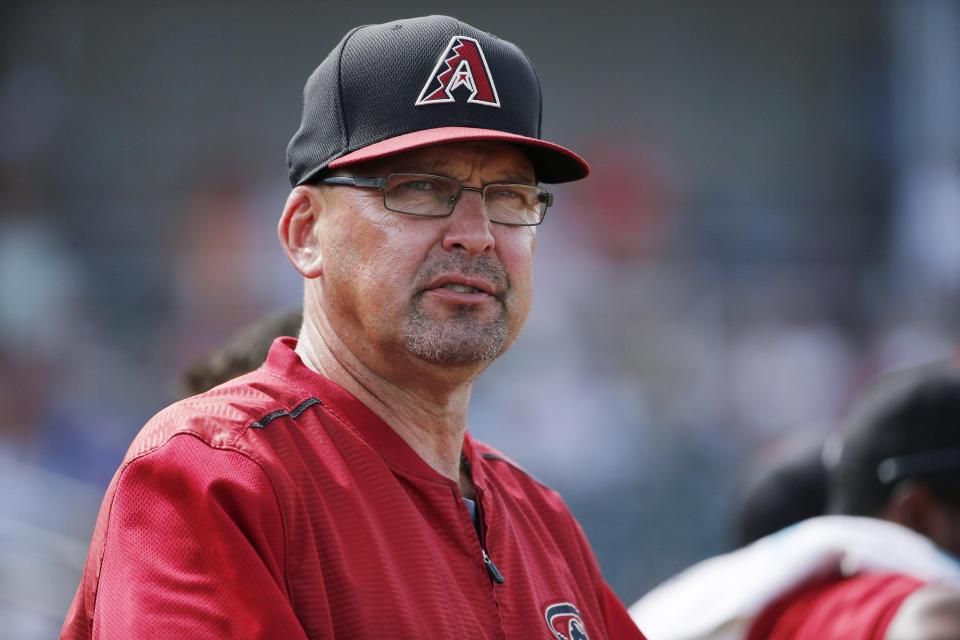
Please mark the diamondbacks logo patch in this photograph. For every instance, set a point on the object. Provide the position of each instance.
(565, 622)
(462, 64)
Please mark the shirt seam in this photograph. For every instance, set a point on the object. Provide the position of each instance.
(331, 408)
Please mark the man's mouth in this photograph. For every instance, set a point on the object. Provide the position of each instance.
(460, 283)
(461, 288)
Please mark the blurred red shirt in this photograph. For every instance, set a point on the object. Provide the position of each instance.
(836, 608)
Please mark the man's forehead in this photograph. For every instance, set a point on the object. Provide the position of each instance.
(498, 161)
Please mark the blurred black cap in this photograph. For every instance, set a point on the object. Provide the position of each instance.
(905, 426)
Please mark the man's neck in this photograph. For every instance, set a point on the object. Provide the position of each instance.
(430, 414)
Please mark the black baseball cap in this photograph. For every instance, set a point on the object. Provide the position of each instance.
(397, 86)
(906, 425)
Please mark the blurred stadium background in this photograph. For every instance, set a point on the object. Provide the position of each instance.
(774, 218)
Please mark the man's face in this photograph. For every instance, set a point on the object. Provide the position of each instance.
(454, 290)
(944, 524)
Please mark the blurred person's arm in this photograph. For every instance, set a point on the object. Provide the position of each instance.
(930, 613)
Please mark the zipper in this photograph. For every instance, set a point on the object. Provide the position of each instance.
(495, 574)
(492, 568)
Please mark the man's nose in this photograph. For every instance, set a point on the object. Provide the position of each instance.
(468, 226)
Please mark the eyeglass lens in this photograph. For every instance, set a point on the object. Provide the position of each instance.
(427, 195)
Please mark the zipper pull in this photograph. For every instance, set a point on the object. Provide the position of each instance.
(492, 568)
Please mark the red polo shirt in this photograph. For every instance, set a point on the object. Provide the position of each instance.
(279, 506)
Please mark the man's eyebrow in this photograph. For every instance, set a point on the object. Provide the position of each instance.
(512, 178)
(437, 168)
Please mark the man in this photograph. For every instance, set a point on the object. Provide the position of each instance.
(334, 492)
(887, 570)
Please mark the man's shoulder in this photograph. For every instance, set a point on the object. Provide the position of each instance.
(492, 454)
(504, 470)
(221, 416)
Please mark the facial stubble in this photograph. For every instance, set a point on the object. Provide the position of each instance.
(465, 336)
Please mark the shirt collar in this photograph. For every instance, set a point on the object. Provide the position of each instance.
(284, 362)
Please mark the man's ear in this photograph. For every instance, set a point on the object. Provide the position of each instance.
(299, 232)
(912, 505)
(915, 505)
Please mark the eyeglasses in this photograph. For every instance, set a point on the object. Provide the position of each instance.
(422, 194)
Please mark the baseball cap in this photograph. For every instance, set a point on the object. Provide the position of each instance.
(904, 426)
(402, 85)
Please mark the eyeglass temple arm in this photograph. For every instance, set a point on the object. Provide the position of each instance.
(373, 183)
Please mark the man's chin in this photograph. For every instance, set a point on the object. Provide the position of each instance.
(454, 344)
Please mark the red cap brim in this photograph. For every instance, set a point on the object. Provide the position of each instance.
(551, 162)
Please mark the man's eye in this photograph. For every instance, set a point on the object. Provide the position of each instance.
(419, 185)
(512, 195)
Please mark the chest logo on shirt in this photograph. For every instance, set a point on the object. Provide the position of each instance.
(462, 64)
(564, 622)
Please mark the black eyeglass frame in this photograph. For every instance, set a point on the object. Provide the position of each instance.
(381, 183)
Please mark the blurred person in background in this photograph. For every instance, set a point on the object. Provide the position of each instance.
(335, 491)
(243, 352)
(887, 569)
(787, 486)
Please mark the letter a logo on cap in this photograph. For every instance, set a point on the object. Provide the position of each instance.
(462, 64)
